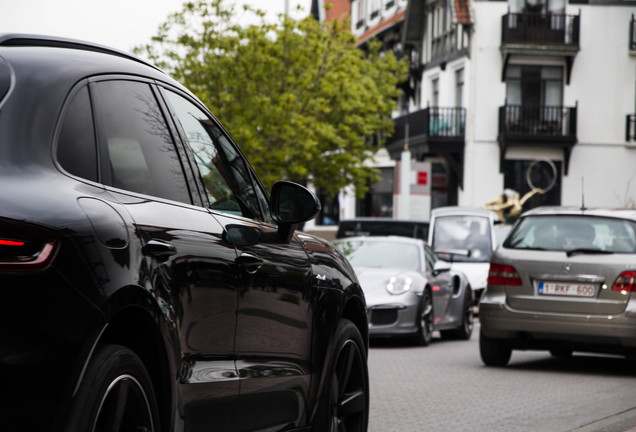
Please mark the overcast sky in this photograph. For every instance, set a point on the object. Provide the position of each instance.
(121, 24)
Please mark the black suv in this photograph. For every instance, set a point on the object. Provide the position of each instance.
(148, 281)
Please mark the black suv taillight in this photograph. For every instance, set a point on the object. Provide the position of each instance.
(24, 247)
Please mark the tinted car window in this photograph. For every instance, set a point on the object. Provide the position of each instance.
(133, 133)
(224, 174)
(264, 202)
(76, 150)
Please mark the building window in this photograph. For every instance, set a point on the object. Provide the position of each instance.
(459, 88)
(632, 34)
(439, 186)
(378, 201)
(376, 6)
(361, 13)
(630, 128)
(435, 92)
(534, 85)
(537, 6)
(441, 23)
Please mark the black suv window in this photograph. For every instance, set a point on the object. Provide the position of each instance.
(224, 173)
(76, 150)
(135, 140)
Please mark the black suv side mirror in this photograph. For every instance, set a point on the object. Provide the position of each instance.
(292, 204)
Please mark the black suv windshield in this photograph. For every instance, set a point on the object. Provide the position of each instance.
(574, 234)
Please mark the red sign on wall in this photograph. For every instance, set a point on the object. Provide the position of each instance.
(422, 178)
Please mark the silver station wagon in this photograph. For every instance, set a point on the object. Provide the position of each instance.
(563, 280)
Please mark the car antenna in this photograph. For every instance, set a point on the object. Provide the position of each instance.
(583, 208)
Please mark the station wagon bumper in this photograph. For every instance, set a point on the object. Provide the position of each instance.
(542, 330)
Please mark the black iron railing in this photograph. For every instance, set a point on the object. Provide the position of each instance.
(632, 34)
(630, 127)
(528, 121)
(538, 28)
(432, 122)
(446, 122)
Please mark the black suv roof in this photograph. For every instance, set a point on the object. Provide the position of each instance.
(37, 74)
(23, 39)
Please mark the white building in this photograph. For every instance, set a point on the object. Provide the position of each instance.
(503, 92)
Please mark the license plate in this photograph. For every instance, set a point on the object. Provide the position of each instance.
(566, 289)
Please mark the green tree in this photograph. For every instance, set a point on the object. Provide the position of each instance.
(298, 97)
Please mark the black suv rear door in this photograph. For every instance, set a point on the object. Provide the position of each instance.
(183, 258)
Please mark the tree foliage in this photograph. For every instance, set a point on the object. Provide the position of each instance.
(298, 97)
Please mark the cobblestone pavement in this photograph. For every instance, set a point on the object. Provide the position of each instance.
(445, 387)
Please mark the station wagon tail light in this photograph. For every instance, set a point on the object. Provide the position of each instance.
(23, 248)
(501, 274)
(625, 282)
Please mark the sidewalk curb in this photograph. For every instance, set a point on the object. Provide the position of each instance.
(621, 422)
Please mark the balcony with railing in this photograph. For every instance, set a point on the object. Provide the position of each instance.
(540, 29)
(533, 34)
(538, 125)
(436, 131)
(630, 127)
(531, 122)
(432, 124)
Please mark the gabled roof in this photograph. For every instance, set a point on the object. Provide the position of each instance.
(461, 10)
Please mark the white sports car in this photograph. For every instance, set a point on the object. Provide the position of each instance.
(409, 290)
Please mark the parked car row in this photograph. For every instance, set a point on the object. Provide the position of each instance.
(561, 280)
(464, 237)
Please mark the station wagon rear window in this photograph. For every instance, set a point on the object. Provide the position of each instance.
(574, 233)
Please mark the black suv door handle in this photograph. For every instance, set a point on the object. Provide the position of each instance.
(159, 249)
(251, 263)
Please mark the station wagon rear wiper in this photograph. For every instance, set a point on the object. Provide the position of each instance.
(587, 251)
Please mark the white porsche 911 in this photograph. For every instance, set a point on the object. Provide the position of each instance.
(408, 289)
